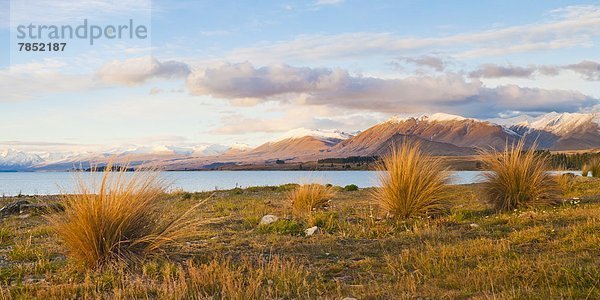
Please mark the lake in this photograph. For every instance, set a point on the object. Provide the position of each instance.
(44, 183)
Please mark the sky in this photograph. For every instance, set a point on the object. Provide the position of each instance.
(225, 72)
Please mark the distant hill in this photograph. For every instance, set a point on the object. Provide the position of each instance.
(439, 133)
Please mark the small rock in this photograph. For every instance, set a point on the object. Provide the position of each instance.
(268, 219)
(311, 231)
(349, 298)
(473, 225)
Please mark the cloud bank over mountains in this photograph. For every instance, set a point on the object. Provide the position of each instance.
(450, 92)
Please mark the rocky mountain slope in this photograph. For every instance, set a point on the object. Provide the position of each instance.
(452, 135)
(440, 134)
(566, 131)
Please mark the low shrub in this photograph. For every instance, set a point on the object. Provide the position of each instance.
(285, 227)
(351, 187)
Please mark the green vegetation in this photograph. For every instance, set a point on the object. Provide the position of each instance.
(557, 161)
(412, 183)
(290, 227)
(6, 235)
(574, 161)
(351, 187)
(517, 178)
(349, 160)
(469, 252)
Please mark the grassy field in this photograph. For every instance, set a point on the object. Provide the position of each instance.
(470, 252)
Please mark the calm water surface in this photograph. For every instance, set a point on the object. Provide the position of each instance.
(42, 183)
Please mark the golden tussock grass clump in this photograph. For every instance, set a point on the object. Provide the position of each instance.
(592, 167)
(120, 220)
(412, 182)
(517, 178)
(307, 198)
(566, 182)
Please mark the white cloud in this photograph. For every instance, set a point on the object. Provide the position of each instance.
(44, 77)
(432, 62)
(567, 28)
(336, 87)
(292, 116)
(138, 70)
(244, 81)
(589, 70)
(495, 71)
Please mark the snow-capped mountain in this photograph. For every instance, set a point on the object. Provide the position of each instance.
(563, 131)
(195, 150)
(560, 123)
(320, 134)
(445, 134)
(436, 117)
(210, 150)
(54, 156)
(13, 160)
(440, 134)
(297, 144)
(148, 150)
(238, 148)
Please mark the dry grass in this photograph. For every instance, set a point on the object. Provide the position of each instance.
(247, 279)
(517, 178)
(412, 183)
(592, 167)
(120, 220)
(307, 198)
(470, 253)
(566, 182)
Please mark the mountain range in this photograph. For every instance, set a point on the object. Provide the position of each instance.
(439, 134)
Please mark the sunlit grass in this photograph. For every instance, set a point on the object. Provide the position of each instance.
(307, 198)
(121, 219)
(412, 183)
(533, 253)
(517, 178)
(566, 181)
(592, 168)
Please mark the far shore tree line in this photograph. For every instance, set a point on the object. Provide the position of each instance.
(572, 161)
